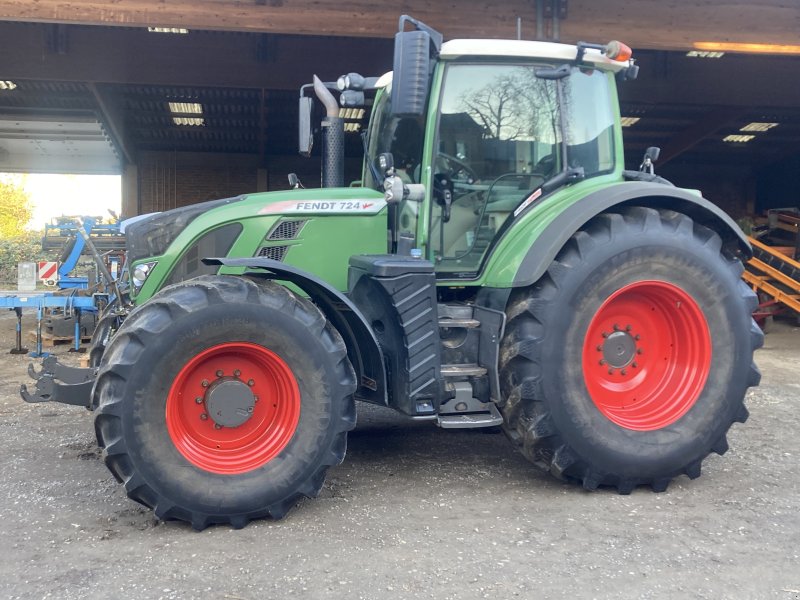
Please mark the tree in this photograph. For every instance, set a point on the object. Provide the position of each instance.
(515, 105)
(493, 105)
(16, 210)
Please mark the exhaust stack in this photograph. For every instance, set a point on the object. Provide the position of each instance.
(332, 138)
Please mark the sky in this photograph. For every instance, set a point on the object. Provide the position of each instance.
(81, 195)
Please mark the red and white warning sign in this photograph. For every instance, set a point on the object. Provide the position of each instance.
(48, 270)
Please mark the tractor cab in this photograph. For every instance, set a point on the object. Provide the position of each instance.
(506, 123)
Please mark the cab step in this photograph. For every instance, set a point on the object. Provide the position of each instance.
(464, 411)
(459, 323)
(489, 418)
(463, 371)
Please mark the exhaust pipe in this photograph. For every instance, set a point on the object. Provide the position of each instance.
(332, 138)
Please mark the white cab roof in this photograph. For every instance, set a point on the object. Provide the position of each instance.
(527, 49)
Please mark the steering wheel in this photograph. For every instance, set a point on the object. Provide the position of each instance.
(455, 167)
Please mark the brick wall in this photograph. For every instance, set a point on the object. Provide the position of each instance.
(170, 180)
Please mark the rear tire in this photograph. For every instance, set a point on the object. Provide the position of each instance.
(629, 360)
(156, 384)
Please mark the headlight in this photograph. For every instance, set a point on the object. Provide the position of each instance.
(141, 272)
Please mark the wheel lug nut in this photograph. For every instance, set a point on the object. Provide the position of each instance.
(610, 371)
(236, 373)
(599, 348)
(634, 365)
(637, 336)
(255, 398)
(616, 327)
(624, 372)
(204, 417)
(220, 373)
(628, 327)
(605, 335)
(217, 426)
(602, 361)
(639, 351)
(199, 400)
(204, 383)
(251, 382)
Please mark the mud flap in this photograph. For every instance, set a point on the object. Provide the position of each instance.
(60, 383)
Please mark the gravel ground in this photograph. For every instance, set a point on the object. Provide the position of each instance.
(414, 512)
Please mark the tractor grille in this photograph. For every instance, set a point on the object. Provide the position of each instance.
(273, 252)
(286, 230)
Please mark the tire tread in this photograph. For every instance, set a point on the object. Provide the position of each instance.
(128, 346)
(524, 408)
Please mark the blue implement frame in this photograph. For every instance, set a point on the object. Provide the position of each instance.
(17, 301)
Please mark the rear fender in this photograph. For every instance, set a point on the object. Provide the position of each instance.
(654, 195)
(363, 349)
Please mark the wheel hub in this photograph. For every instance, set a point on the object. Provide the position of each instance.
(230, 403)
(646, 355)
(619, 349)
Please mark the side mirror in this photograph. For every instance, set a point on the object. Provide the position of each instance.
(294, 181)
(413, 52)
(653, 152)
(305, 132)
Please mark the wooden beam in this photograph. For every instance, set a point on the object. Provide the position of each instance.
(677, 24)
(643, 24)
(201, 59)
(111, 117)
(211, 60)
(674, 79)
(351, 18)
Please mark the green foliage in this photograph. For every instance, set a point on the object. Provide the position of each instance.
(15, 210)
(13, 250)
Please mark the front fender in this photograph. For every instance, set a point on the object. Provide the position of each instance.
(547, 245)
(363, 349)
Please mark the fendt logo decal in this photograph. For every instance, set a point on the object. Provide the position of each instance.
(360, 207)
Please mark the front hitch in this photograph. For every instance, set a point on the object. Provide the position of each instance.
(60, 383)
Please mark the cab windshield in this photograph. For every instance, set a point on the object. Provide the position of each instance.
(502, 133)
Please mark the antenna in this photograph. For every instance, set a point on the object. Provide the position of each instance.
(519, 28)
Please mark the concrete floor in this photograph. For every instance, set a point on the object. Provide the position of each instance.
(414, 512)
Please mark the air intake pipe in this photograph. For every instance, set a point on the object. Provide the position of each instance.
(332, 138)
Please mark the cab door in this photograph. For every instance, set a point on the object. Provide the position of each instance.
(497, 138)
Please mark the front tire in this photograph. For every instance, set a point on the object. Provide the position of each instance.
(105, 329)
(628, 362)
(224, 400)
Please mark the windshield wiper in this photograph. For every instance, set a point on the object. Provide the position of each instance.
(570, 175)
(553, 73)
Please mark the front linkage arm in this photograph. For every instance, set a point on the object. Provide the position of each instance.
(60, 383)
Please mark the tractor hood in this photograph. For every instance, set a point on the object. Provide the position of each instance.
(316, 230)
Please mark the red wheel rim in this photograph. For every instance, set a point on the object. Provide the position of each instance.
(274, 408)
(647, 355)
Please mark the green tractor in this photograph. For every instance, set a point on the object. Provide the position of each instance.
(496, 266)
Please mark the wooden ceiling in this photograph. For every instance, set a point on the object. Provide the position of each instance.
(248, 85)
(654, 24)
